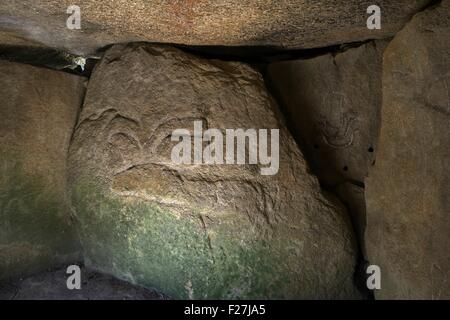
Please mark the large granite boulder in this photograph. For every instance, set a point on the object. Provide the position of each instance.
(286, 24)
(37, 116)
(198, 231)
(408, 190)
(333, 102)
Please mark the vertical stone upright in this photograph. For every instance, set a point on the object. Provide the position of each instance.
(333, 103)
(38, 112)
(196, 230)
(408, 190)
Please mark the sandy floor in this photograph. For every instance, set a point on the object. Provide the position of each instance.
(51, 285)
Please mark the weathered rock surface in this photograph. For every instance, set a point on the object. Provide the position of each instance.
(408, 190)
(38, 113)
(333, 102)
(353, 197)
(198, 231)
(287, 24)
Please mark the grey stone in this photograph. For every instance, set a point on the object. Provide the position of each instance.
(198, 231)
(408, 189)
(284, 24)
(353, 197)
(37, 116)
(333, 102)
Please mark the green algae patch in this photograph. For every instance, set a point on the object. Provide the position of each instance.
(147, 244)
(35, 231)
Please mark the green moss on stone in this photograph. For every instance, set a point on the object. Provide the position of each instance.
(149, 245)
(34, 229)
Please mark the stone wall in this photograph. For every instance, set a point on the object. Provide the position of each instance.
(38, 112)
